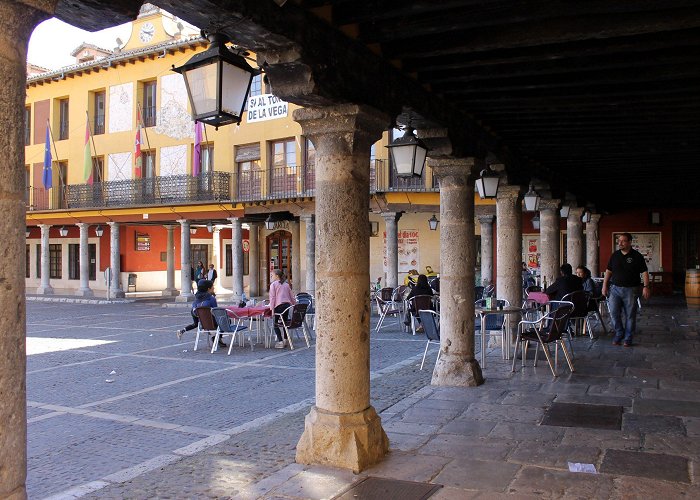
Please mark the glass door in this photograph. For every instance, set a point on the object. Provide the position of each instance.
(279, 253)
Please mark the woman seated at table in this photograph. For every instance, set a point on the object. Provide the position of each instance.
(281, 298)
(204, 297)
(421, 288)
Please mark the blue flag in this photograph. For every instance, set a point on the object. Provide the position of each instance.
(47, 176)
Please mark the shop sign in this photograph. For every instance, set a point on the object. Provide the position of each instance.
(266, 107)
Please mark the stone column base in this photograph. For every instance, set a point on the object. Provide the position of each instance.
(117, 294)
(85, 292)
(454, 370)
(188, 297)
(346, 440)
(45, 290)
(170, 292)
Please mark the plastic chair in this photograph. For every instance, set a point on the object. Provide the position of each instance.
(494, 325)
(415, 304)
(548, 329)
(293, 318)
(205, 325)
(579, 299)
(431, 325)
(224, 327)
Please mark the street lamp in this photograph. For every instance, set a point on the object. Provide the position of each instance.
(99, 231)
(269, 223)
(433, 223)
(408, 154)
(63, 231)
(217, 81)
(532, 200)
(487, 183)
(536, 222)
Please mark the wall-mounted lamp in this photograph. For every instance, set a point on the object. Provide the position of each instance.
(564, 211)
(655, 218)
(210, 227)
(532, 200)
(408, 154)
(217, 82)
(193, 230)
(433, 223)
(99, 231)
(536, 222)
(487, 183)
(586, 217)
(63, 231)
(27, 232)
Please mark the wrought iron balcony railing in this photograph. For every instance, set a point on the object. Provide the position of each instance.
(175, 189)
(276, 183)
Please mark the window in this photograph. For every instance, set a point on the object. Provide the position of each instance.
(38, 261)
(98, 168)
(149, 104)
(27, 262)
(63, 119)
(206, 158)
(73, 261)
(256, 86)
(59, 196)
(27, 126)
(249, 173)
(229, 262)
(284, 168)
(99, 113)
(55, 261)
(148, 164)
(309, 166)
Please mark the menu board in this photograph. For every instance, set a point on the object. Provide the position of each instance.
(648, 244)
(531, 251)
(409, 257)
(143, 242)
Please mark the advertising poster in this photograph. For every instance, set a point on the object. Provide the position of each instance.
(531, 251)
(648, 244)
(409, 257)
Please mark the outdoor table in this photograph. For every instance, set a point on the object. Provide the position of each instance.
(261, 312)
(507, 311)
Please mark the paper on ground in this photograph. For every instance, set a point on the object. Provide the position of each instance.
(578, 467)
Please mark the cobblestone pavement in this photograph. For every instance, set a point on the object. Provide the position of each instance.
(175, 423)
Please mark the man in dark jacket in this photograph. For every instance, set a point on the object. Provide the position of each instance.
(211, 273)
(204, 297)
(566, 283)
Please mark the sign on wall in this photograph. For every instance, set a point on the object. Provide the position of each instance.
(409, 257)
(648, 244)
(266, 107)
(531, 251)
(143, 242)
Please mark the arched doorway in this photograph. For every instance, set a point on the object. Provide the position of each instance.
(279, 253)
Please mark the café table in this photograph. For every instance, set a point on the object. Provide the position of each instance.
(507, 311)
(255, 313)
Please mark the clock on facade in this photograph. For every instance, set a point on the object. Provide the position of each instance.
(147, 32)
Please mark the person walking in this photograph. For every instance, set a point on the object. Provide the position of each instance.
(621, 287)
(280, 299)
(199, 273)
(212, 274)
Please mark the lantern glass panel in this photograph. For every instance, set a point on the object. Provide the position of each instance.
(234, 89)
(201, 83)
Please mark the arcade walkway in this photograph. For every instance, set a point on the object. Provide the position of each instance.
(637, 422)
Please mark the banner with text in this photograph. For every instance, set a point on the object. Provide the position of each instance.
(266, 107)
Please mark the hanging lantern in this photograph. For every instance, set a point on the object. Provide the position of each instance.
(487, 183)
(408, 154)
(433, 223)
(532, 200)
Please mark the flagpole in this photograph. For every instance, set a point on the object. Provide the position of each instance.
(206, 140)
(143, 126)
(94, 149)
(53, 143)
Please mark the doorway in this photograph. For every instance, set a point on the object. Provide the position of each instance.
(197, 253)
(279, 253)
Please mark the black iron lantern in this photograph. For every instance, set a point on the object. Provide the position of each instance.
(99, 231)
(63, 231)
(532, 200)
(269, 223)
(433, 223)
(564, 211)
(487, 183)
(408, 154)
(536, 222)
(586, 217)
(217, 81)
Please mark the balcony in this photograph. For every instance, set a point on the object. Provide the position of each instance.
(384, 180)
(175, 189)
(276, 183)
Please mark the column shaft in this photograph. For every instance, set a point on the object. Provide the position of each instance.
(509, 253)
(185, 263)
(574, 237)
(115, 286)
(592, 257)
(486, 225)
(296, 257)
(254, 260)
(45, 288)
(457, 365)
(84, 289)
(170, 290)
(343, 429)
(549, 240)
(392, 248)
(237, 258)
(310, 223)
(216, 255)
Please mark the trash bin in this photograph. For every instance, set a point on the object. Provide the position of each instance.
(131, 282)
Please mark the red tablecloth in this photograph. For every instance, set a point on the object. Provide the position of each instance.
(247, 312)
(539, 297)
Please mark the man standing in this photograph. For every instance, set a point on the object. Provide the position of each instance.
(624, 267)
(211, 273)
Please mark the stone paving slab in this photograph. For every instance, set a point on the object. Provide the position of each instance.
(648, 465)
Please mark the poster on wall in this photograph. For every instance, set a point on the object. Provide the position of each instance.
(531, 251)
(409, 257)
(648, 244)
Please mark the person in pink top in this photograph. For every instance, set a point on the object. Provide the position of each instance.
(280, 299)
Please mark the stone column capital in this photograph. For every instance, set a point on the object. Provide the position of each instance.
(234, 220)
(44, 227)
(82, 225)
(575, 213)
(486, 219)
(508, 192)
(454, 171)
(344, 126)
(306, 218)
(549, 204)
(113, 224)
(169, 227)
(595, 219)
(391, 216)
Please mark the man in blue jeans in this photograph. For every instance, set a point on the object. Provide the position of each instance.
(621, 287)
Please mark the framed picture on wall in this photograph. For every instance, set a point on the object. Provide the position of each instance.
(531, 251)
(646, 243)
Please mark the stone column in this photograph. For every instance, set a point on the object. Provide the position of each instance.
(310, 223)
(509, 245)
(486, 223)
(592, 255)
(296, 256)
(549, 240)
(574, 237)
(236, 258)
(115, 286)
(45, 288)
(254, 260)
(18, 19)
(342, 429)
(186, 294)
(457, 365)
(84, 290)
(392, 248)
(216, 255)
(170, 290)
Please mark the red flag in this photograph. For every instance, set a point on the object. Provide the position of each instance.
(137, 155)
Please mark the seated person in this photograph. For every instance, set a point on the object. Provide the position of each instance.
(205, 297)
(422, 288)
(566, 283)
(410, 279)
(589, 285)
(429, 273)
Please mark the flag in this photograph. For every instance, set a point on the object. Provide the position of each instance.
(137, 155)
(47, 176)
(197, 160)
(87, 166)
